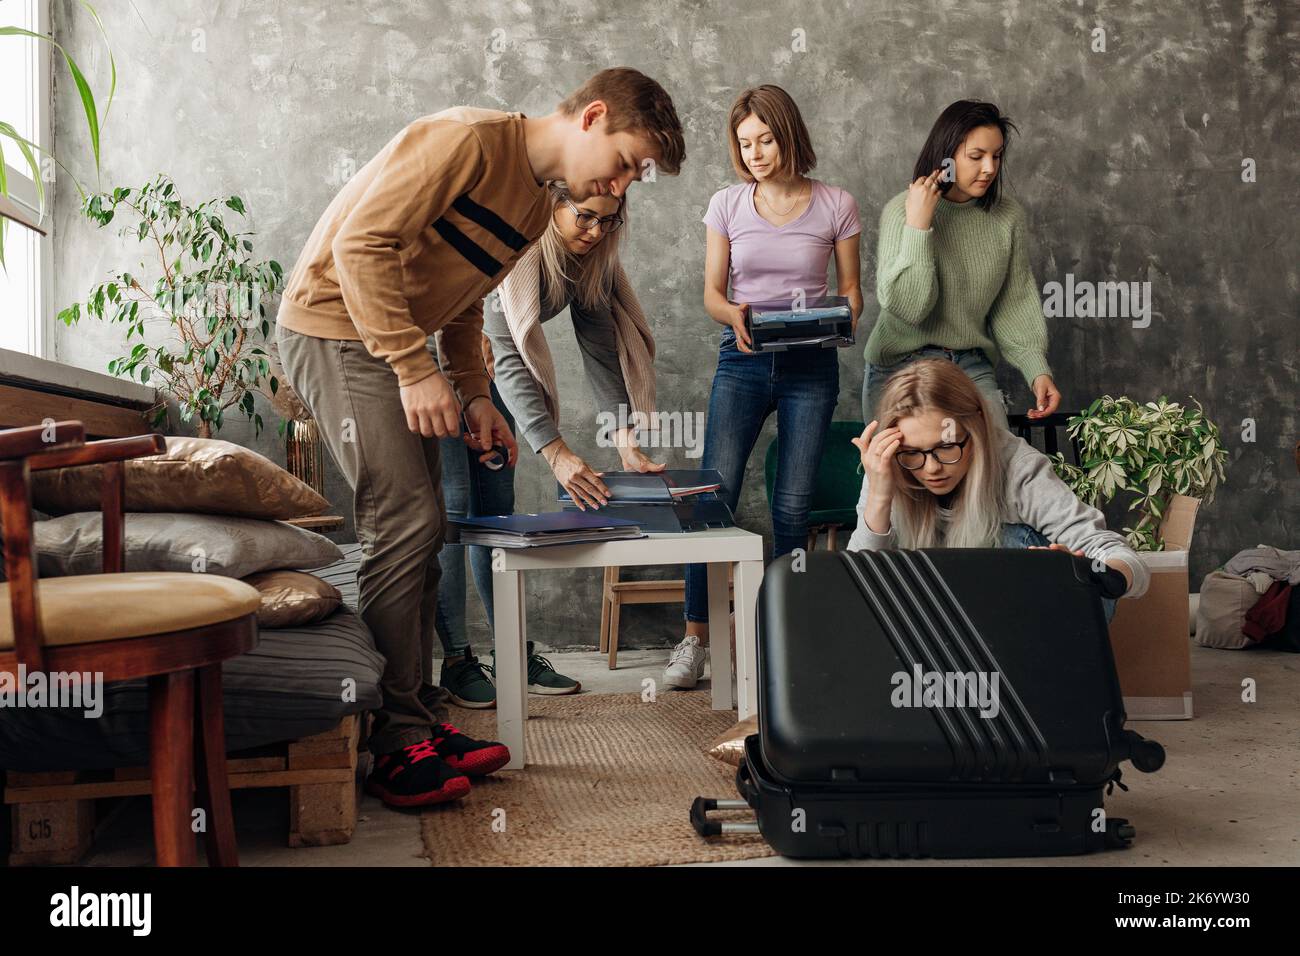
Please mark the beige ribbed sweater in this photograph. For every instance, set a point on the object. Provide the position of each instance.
(521, 303)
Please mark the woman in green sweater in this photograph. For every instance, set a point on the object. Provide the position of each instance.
(952, 267)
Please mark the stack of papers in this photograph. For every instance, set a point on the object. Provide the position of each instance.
(682, 482)
(823, 322)
(539, 530)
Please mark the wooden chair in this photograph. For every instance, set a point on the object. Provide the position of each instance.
(836, 487)
(614, 593)
(1024, 426)
(174, 628)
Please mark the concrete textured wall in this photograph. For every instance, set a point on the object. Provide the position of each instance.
(1130, 167)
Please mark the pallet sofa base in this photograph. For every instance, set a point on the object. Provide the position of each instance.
(53, 814)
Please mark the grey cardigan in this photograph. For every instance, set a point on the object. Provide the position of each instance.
(598, 342)
(1040, 499)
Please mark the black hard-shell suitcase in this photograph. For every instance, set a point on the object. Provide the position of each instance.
(869, 745)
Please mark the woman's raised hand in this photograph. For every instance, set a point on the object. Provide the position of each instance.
(922, 200)
(878, 449)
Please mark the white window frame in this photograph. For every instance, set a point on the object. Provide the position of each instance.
(23, 190)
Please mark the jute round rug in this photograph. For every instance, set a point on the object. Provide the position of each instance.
(609, 782)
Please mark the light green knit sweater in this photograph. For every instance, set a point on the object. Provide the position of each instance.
(964, 283)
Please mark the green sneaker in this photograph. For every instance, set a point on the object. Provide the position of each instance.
(542, 677)
(470, 683)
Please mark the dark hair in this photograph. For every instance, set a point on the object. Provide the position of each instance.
(777, 110)
(948, 132)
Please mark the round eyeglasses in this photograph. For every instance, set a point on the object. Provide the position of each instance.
(948, 453)
(585, 220)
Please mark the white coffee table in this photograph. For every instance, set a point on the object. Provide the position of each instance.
(716, 548)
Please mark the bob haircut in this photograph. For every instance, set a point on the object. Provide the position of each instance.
(948, 133)
(777, 110)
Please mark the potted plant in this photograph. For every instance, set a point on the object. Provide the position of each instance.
(24, 213)
(210, 291)
(1154, 451)
(1170, 459)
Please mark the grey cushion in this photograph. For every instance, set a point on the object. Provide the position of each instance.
(288, 687)
(343, 573)
(163, 541)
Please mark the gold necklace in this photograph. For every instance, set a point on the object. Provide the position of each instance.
(773, 208)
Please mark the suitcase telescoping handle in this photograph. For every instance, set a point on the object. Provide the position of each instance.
(706, 827)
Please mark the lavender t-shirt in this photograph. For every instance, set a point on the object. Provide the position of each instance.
(773, 262)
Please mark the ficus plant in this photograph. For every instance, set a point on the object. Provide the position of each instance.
(209, 291)
(1153, 451)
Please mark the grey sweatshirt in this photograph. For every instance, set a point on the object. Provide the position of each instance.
(1277, 564)
(1038, 498)
(598, 343)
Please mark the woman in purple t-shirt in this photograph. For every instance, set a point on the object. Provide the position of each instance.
(770, 237)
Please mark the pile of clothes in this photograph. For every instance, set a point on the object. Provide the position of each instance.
(1252, 601)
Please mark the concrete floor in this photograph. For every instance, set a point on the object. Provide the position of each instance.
(1227, 794)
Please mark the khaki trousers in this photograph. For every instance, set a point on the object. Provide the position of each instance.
(396, 482)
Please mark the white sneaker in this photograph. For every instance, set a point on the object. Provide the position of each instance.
(686, 665)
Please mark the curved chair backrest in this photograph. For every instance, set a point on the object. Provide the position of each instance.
(839, 482)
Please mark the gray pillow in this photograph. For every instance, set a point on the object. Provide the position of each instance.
(162, 541)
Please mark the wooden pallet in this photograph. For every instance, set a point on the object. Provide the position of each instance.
(53, 814)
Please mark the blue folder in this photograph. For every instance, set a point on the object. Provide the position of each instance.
(535, 530)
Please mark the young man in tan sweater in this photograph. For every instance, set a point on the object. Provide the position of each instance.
(407, 250)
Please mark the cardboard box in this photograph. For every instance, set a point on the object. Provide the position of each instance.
(1150, 636)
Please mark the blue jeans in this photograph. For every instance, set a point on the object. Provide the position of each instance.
(469, 489)
(1022, 536)
(802, 386)
(971, 361)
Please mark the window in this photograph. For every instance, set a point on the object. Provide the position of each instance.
(25, 103)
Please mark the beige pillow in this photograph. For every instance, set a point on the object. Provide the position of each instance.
(202, 475)
(292, 598)
(1221, 612)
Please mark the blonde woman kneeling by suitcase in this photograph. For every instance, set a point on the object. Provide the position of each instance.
(936, 475)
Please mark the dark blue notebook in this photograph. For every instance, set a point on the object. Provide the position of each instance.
(547, 523)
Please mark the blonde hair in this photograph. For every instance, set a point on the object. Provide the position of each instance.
(587, 278)
(778, 111)
(979, 501)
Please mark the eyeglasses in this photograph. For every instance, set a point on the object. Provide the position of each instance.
(585, 220)
(949, 453)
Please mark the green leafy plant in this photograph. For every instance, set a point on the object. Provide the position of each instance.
(94, 122)
(210, 294)
(1153, 451)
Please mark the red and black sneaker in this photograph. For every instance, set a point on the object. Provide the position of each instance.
(465, 754)
(415, 776)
